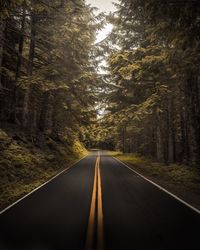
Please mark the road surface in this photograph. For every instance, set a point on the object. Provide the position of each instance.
(99, 204)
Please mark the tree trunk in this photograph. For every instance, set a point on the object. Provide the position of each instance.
(18, 67)
(21, 43)
(2, 29)
(159, 139)
(32, 45)
(124, 138)
(192, 94)
(185, 148)
(29, 68)
(170, 155)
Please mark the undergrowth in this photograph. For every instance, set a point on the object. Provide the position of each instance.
(175, 173)
(25, 165)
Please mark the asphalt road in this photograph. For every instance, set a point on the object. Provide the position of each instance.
(134, 214)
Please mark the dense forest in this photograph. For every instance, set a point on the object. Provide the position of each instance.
(48, 81)
(47, 65)
(52, 95)
(152, 86)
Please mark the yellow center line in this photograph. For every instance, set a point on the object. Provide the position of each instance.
(100, 242)
(91, 222)
(94, 238)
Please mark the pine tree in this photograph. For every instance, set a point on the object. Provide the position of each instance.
(155, 73)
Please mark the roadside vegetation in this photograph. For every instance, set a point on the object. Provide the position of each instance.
(181, 180)
(47, 83)
(24, 165)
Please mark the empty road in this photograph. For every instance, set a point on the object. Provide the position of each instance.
(99, 204)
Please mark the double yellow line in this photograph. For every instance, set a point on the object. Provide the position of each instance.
(94, 239)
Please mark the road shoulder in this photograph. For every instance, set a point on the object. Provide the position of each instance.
(182, 181)
(25, 191)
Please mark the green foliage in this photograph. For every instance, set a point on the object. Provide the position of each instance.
(151, 54)
(173, 174)
(7, 6)
(47, 89)
(24, 166)
(49, 65)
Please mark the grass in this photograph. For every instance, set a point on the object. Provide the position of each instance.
(24, 166)
(180, 179)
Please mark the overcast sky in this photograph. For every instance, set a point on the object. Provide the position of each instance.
(103, 6)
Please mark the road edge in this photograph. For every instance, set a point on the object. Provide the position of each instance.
(45, 183)
(159, 187)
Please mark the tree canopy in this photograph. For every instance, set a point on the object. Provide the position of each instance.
(153, 63)
(48, 65)
(150, 92)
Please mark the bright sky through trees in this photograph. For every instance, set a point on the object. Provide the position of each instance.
(103, 6)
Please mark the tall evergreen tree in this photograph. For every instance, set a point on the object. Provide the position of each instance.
(48, 66)
(155, 102)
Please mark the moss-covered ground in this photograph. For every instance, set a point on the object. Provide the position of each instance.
(24, 164)
(181, 180)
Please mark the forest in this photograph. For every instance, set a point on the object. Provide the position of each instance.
(152, 88)
(48, 83)
(56, 99)
(47, 66)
